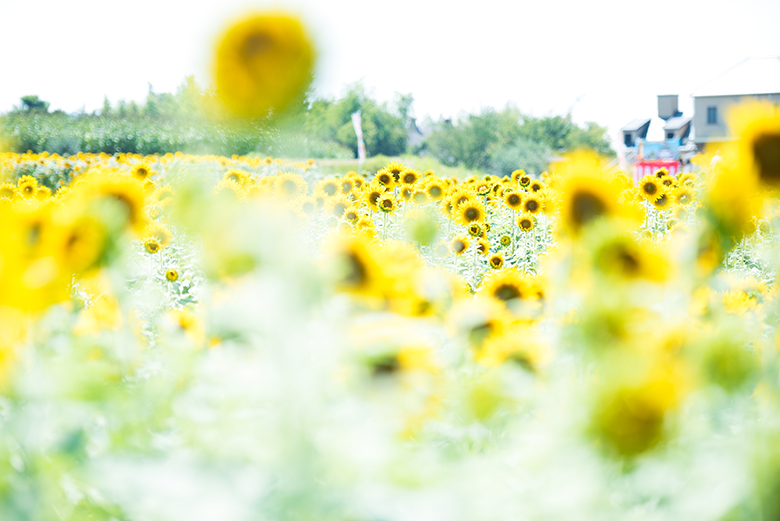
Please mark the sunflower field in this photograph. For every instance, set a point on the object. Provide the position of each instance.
(202, 337)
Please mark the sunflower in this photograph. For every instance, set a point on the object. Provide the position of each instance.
(524, 180)
(682, 196)
(469, 211)
(396, 169)
(8, 191)
(263, 62)
(757, 123)
(459, 244)
(229, 188)
(650, 188)
(43, 193)
(517, 174)
(27, 186)
(662, 202)
(337, 206)
(172, 275)
(475, 230)
(240, 177)
(435, 189)
(661, 173)
(142, 171)
(346, 185)
(483, 246)
(406, 193)
(354, 265)
(514, 200)
(420, 197)
(82, 243)
(483, 188)
(409, 176)
(496, 261)
(127, 194)
(526, 222)
(535, 186)
(385, 177)
(308, 205)
(387, 203)
(328, 187)
(162, 196)
(586, 194)
(351, 215)
(532, 204)
(159, 232)
(290, 185)
(372, 192)
(505, 240)
(506, 286)
(151, 245)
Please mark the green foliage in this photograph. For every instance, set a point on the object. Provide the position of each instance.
(384, 129)
(531, 156)
(34, 104)
(491, 139)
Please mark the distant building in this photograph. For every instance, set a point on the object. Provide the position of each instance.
(671, 152)
(752, 78)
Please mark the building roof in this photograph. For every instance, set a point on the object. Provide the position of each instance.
(677, 123)
(635, 125)
(750, 76)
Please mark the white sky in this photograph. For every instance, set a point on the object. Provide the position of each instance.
(604, 60)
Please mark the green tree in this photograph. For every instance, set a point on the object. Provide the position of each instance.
(34, 104)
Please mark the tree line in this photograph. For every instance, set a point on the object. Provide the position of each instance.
(189, 120)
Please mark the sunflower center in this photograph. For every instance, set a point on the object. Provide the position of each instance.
(628, 261)
(506, 292)
(766, 149)
(435, 191)
(513, 199)
(409, 178)
(329, 189)
(471, 214)
(650, 188)
(356, 271)
(255, 45)
(586, 207)
(289, 187)
(532, 205)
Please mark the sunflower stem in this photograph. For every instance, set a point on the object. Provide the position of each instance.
(474, 267)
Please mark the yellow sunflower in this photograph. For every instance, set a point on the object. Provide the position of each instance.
(459, 244)
(514, 200)
(757, 123)
(263, 62)
(469, 211)
(372, 192)
(526, 222)
(650, 188)
(386, 178)
(396, 169)
(496, 261)
(290, 185)
(532, 204)
(409, 176)
(387, 203)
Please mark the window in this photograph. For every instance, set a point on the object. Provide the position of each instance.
(627, 139)
(712, 115)
(670, 135)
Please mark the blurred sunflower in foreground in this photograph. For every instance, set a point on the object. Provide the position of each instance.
(263, 62)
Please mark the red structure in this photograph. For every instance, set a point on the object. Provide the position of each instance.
(651, 166)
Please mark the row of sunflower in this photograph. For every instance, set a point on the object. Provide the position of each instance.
(278, 342)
